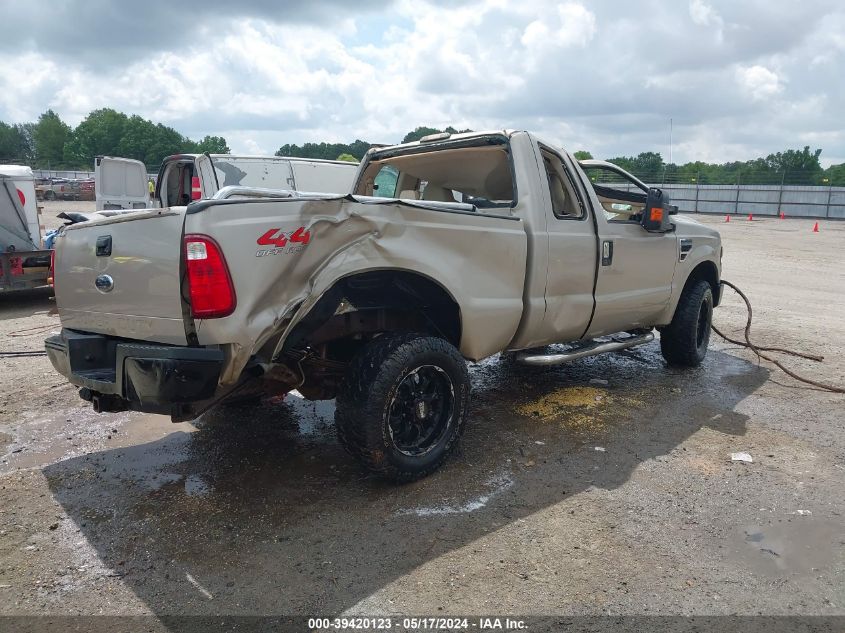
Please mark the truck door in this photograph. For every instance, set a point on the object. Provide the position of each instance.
(204, 170)
(572, 253)
(636, 267)
(120, 183)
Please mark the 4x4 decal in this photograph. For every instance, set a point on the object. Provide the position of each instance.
(283, 242)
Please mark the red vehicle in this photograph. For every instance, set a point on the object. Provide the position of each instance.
(86, 189)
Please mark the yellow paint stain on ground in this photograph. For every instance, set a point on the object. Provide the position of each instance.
(580, 409)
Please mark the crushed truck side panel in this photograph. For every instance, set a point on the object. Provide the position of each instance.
(479, 259)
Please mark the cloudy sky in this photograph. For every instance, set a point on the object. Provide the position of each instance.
(739, 78)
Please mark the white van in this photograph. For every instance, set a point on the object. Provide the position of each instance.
(23, 262)
(123, 183)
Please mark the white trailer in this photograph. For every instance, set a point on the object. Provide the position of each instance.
(24, 263)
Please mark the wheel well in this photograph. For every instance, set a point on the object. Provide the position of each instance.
(708, 272)
(379, 301)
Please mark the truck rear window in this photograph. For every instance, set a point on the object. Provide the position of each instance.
(478, 175)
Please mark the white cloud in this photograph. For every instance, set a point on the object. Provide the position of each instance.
(759, 82)
(574, 24)
(604, 76)
(703, 14)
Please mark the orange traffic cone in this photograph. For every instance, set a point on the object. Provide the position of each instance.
(782, 216)
(727, 218)
(816, 227)
(750, 217)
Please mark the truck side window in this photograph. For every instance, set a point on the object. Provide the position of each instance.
(564, 203)
(385, 182)
(621, 198)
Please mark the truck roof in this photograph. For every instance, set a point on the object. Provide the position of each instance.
(17, 171)
(443, 136)
(296, 159)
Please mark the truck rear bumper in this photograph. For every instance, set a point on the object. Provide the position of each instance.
(118, 374)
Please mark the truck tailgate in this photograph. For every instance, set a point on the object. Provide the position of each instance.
(121, 276)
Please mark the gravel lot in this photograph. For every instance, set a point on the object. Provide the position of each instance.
(601, 487)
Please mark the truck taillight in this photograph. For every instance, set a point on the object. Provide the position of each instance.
(51, 279)
(209, 282)
(196, 192)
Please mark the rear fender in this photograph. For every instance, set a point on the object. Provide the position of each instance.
(353, 235)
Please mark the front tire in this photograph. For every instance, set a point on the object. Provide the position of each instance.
(403, 405)
(684, 341)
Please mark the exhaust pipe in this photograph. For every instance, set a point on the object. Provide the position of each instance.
(591, 349)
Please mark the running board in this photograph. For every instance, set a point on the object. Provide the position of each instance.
(591, 349)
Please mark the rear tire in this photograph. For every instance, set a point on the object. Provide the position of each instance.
(403, 405)
(684, 341)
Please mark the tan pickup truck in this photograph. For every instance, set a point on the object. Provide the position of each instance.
(451, 248)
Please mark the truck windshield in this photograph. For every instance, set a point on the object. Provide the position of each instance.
(478, 175)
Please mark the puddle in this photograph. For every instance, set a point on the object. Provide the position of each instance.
(195, 486)
(803, 544)
(311, 414)
(36, 440)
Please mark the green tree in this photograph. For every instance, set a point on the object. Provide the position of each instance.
(49, 136)
(347, 157)
(358, 148)
(646, 165)
(421, 131)
(107, 132)
(16, 142)
(582, 154)
(833, 176)
(213, 145)
(326, 151)
(99, 134)
(166, 142)
(139, 135)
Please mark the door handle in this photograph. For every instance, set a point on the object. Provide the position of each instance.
(103, 246)
(606, 252)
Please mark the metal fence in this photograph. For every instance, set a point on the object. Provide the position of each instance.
(791, 200)
(69, 174)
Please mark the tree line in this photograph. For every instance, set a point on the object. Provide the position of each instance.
(351, 151)
(50, 143)
(790, 167)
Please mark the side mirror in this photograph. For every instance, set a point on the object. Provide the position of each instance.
(656, 212)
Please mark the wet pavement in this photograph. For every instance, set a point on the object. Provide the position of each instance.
(604, 486)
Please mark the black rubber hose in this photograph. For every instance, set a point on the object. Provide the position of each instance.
(759, 350)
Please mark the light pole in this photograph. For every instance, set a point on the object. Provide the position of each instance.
(670, 140)
(829, 192)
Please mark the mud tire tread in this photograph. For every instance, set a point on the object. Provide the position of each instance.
(363, 398)
(678, 339)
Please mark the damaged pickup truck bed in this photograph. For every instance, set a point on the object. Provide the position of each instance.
(451, 248)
